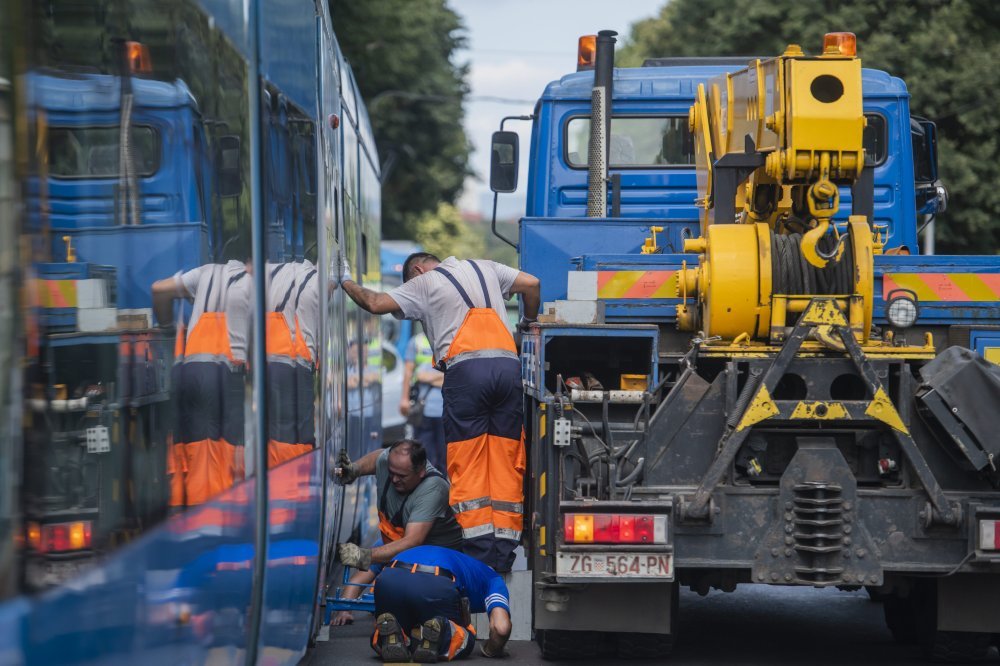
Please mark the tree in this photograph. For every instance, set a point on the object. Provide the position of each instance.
(401, 53)
(444, 233)
(945, 50)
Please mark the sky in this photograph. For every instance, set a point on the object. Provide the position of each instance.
(514, 49)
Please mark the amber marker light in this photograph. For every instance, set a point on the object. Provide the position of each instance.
(840, 43)
(139, 61)
(586, 53)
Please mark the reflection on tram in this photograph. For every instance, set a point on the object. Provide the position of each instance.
(171, 327)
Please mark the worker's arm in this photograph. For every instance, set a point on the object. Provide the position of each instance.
(352, 591)
(413, 536)
(527, 285)
(404, 401)
(499, 632)
(432, 377)
(375, 302)
(164, 293)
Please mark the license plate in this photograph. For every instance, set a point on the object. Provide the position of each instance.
(615, 565)
(42, 573)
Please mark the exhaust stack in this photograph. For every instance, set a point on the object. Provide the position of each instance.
(600, 125)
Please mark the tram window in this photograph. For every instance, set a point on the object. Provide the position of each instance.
(636, 141)
(94, 152)
(134, 384)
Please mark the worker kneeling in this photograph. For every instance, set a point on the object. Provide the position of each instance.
(412, 509)
(423, 601)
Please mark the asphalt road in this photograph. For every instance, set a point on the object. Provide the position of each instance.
(753, 625)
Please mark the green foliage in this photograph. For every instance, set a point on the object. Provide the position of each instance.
(401, 53)
(444, 233)
(946, 50)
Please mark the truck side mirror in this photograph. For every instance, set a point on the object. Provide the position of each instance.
(227, 166)
(503, 161)
(931, 194)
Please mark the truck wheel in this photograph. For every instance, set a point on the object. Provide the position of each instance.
(958, 646)
(644, 646)
(944, 646)
(901, 619)
(558, 644)
(651, 646)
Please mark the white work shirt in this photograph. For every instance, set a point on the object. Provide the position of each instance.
(433, 299)
(232, 299)
(307, 307)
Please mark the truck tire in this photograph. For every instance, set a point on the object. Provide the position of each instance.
(901, 619)
(651, 646)
(944, 646)
(559, 644)
(957, 646)
(644, 646)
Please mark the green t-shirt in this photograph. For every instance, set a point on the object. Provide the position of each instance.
(428, 502)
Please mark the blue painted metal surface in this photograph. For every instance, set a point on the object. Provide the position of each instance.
(533, 350)
(667, 194)
(175, 232)
(941, 312)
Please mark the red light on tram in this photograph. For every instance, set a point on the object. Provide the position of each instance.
(334, 120)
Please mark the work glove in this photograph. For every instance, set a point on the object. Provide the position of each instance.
(345, 271)
(353, 555)
(522, 327)
(346, 470)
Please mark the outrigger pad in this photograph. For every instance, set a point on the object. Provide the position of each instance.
(959, 398)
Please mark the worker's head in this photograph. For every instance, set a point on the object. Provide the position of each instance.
(407, 465)
(419, 263)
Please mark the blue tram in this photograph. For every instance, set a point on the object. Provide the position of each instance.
(178, 366)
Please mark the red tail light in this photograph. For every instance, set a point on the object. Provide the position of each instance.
(60, 537)
(614, 528)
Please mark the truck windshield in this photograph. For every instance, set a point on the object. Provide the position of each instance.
(636, 141)
(666, 141)
(92, 152)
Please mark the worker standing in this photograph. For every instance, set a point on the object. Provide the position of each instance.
(426, 589)
(422, 402)
(289, 357)
(461, 307)
(210, 377)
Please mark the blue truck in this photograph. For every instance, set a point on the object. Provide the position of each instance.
(127, 195)
(711, 404)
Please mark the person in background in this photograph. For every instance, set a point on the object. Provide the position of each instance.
(422, 402)
(461, 307)
(431, 591)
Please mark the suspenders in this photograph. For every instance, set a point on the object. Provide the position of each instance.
(464, 294)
